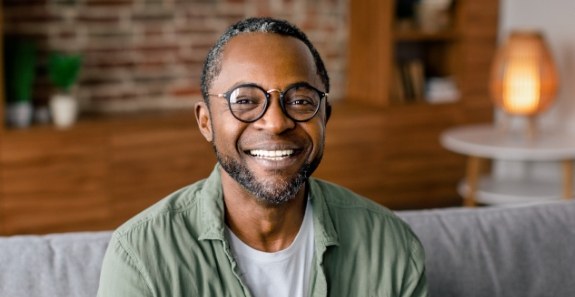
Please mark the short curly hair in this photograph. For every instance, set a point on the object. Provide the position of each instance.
(213, 63)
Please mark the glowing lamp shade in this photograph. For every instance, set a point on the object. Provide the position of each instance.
(523, 76)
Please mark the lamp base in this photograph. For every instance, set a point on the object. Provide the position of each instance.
(532, 130)
(528, 129)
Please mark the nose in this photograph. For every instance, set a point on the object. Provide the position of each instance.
(274, 119)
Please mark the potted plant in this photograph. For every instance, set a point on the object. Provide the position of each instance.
(63, 70)
(20, 72)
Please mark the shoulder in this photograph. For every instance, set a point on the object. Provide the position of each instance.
(384, 254)
(354, 215)
(151, 240)
(182, 201)
(144, 251)
(364, 227)
(339, 198)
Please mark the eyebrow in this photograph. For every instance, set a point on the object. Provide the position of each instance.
(242, 83)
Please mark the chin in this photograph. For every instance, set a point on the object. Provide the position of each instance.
(269, 191)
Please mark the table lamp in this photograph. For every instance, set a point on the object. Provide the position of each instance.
(524, 79)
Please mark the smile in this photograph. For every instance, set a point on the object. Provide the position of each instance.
(272, 155)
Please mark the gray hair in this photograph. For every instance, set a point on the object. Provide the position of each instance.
(213, 64)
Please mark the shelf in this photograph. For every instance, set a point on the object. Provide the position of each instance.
(111, 122)
(416, 35)
(424, 103)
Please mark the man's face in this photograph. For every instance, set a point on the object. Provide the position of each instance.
(272, 157)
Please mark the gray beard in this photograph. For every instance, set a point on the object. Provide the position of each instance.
(270, 193)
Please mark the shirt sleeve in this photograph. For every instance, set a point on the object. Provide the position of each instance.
(121, 275)
(415, 284)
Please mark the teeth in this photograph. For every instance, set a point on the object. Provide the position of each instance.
(271, 154)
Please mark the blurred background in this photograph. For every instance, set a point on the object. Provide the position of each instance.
(124, 136)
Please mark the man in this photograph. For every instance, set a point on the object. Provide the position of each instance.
(259, 225)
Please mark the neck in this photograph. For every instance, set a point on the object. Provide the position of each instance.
(264, 227)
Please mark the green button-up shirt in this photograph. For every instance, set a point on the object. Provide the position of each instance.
(178, 247)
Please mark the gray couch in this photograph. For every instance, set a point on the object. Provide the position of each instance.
(513, 251)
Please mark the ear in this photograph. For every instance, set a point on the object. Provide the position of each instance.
(203, 117)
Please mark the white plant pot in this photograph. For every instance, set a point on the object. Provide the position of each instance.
(19, 114)
(64, 110)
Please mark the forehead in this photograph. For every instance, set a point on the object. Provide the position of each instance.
(268, 59)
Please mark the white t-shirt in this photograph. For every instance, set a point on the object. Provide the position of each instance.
(283, 273)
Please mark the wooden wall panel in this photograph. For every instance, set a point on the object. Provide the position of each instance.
(53, 182)
(153, 161)
(97, 174)
(391, 156)
(352, 156)
(368, 48)
(101, 173)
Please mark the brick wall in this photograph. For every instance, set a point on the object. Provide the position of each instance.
(148, 54)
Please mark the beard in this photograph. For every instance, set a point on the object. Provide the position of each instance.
(272, 193)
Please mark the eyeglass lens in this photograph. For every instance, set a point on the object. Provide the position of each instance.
(249, 103)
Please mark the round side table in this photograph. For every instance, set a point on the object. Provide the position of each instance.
(481, 142)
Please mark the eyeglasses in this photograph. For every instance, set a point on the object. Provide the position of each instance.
(249, 102)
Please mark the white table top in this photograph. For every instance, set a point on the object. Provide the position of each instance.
(490, 142)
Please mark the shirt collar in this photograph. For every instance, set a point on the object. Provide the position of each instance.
(212, 207)
(325, 232)
(212, 211)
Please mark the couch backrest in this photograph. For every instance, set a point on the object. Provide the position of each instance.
(484, 252)
(489, 252)
(63, 265)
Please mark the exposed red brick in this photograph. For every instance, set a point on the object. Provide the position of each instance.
(114, 97)
(127, 55)
(111, 49)
(98, 81)
(98, 19)
(152, 31)
(36, 14)
(107, 64)
(153, 17)
(152, 49)
(67, 33)
(110, 2)
(193, 60)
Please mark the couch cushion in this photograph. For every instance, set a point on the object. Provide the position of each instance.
(512, 251)
(52, 265)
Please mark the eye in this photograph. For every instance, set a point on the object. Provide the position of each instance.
(302, 98)
(300, 101)
(243, 100)
(246, 96)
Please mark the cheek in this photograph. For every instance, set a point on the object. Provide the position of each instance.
(316, 132)
(227, 133)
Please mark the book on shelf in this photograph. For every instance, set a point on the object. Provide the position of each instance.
(397, 89)
(408, 82)
(417, 77)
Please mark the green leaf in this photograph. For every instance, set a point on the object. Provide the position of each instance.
(63, 70)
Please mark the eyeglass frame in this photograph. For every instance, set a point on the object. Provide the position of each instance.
(226, 95)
